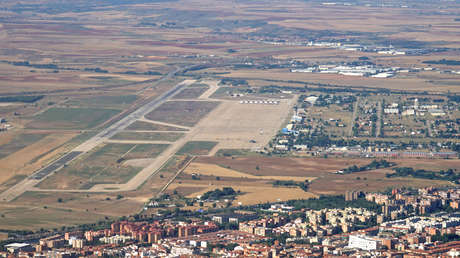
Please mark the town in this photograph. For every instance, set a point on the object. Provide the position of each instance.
(382, 126)
(396, 223)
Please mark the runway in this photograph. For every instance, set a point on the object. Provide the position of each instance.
(29, 182)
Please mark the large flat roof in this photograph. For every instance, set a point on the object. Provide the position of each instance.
(17, 245)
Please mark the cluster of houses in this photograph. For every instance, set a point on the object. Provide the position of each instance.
(414, 110)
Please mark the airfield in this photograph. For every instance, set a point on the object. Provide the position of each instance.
(220, 124)
(136, 100)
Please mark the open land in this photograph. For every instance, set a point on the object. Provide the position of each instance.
(254, 175)
(115, 107)
(102, 166)
(71, 118)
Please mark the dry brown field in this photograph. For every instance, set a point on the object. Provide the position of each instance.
(25, 161)
(319, 170)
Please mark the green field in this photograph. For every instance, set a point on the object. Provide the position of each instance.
(34, 218)
(102, 166)
(103, 101)
(197, 148)
(148, 136)
(112, 152)
(18, 142)
(71, 118)
(235, 152)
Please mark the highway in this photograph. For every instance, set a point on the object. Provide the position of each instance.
(29, 182)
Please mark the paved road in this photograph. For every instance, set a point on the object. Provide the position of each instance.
(138, 142)
(353, 117)
(378, 128)
(186, 128)
(18, 189)
(430, 131)
(213, 86)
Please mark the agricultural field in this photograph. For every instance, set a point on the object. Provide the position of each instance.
(112, 163)
(24, 161)
(34, 218)
(199, 178)
(120, 101)
(255, 175)
(65, 209)
(18, 142)
(184, 113)
(71, 118)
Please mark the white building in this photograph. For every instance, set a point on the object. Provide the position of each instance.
(177, 251)
(281, 147)
(437, 112)
(18, 247)
(408, 112)
(363, 242)
(391, 111)
(311, 99)
(383, 75)
(115, 239)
